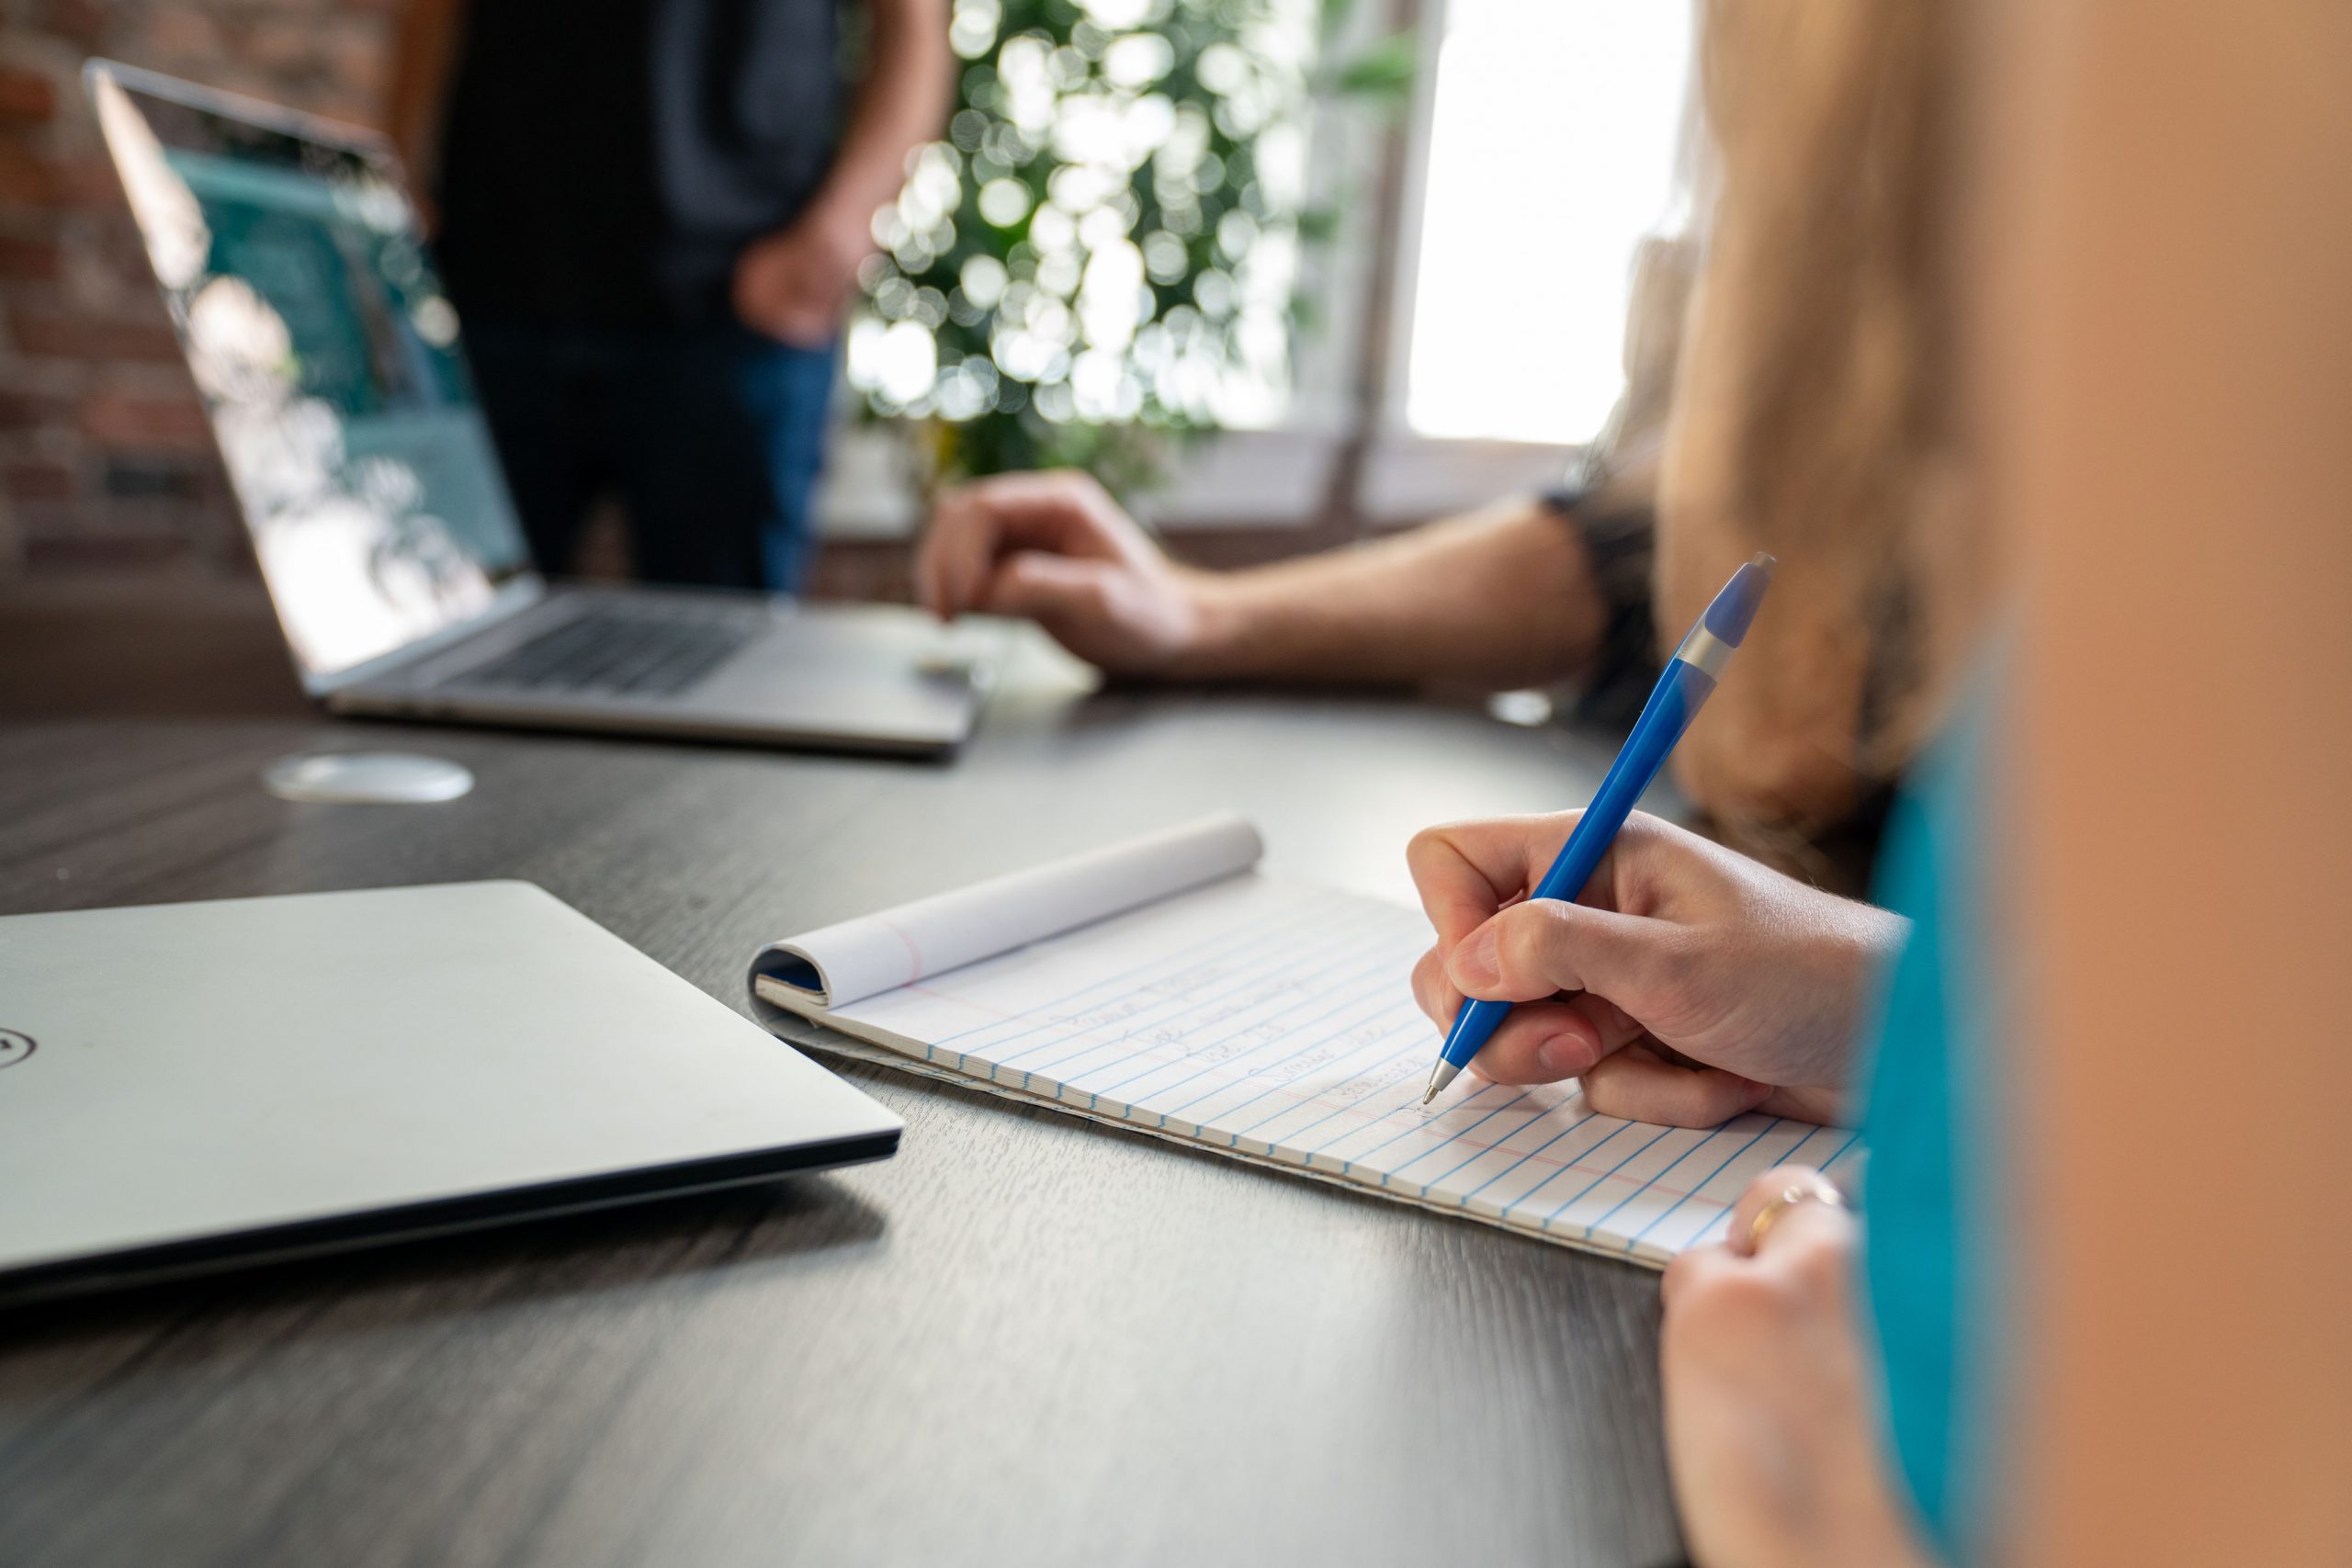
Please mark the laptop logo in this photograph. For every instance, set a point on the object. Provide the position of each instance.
(14, 1047)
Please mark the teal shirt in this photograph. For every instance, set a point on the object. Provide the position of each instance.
(1931, 1283)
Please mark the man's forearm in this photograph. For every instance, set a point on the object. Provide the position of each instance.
(423, 51)
(900, 105)
(1502, 597)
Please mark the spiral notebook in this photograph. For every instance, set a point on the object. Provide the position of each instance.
(1168, 985)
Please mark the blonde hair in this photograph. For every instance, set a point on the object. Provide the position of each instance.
(1815, 408)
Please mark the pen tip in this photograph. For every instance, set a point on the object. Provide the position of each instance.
(1431, 1095)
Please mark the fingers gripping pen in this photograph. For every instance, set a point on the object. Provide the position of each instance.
(1688, 680)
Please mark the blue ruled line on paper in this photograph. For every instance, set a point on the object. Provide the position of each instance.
(1656, 1176)
(1606, 1139)
(1655, 1135)
(1245, 1058)
(1242, 938)
(1413, 1038)
(1058, 1032)
(1234, 1140)
(1184, 1046)
(1533, 1152)
(1351, 968)
(1450, 1137)
(1418, 1124)
(1636, 1238)
(1477, 1154)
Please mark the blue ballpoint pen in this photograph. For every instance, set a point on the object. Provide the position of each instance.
(1688, 680)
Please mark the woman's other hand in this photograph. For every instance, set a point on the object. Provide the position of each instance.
(1771, 1432)
(1688, 985)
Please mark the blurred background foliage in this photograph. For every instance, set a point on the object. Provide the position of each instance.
(1103, 255)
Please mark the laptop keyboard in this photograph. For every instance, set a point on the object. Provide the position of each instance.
(617, 653)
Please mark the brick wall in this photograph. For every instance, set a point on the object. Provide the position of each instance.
(105, 461)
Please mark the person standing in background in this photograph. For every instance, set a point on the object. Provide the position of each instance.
(650, 216)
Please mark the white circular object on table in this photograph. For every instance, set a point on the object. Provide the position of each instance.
(368, 778)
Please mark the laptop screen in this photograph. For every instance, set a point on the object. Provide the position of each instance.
(328, 361)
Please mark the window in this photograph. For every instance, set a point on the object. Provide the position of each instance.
(1551, 138)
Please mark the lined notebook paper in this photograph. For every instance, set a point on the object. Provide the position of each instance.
(1167, 984)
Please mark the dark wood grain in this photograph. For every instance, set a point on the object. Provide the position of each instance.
(1024, 1339)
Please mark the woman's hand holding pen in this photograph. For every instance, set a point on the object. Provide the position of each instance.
(1688, 985)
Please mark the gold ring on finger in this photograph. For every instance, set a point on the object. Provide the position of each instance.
(1789, 1197)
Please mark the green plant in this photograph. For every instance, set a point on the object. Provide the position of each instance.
(1102, 255)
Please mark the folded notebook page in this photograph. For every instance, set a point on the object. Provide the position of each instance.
(1271, 1020)
(872, 953)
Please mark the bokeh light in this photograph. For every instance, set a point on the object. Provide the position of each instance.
(1108, 234)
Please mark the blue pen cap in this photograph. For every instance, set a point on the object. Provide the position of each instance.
(1735, 607)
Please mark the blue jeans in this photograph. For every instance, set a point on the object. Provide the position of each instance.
(713, 437)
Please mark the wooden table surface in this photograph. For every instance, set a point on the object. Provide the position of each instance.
(1024, 1339)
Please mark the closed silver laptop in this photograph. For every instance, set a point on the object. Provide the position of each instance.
(185, 1087)
(333, 370)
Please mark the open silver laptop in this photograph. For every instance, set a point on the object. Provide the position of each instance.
(334, 373)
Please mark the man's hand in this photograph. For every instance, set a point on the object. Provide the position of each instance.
(1771, 1418)
(1055, 547)
(795, 285)
(1688, 985)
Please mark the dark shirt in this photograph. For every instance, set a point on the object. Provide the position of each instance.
(603, 161)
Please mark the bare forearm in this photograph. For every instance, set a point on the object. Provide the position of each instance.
(1501, 597)
(898, 106)
(423, 52)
